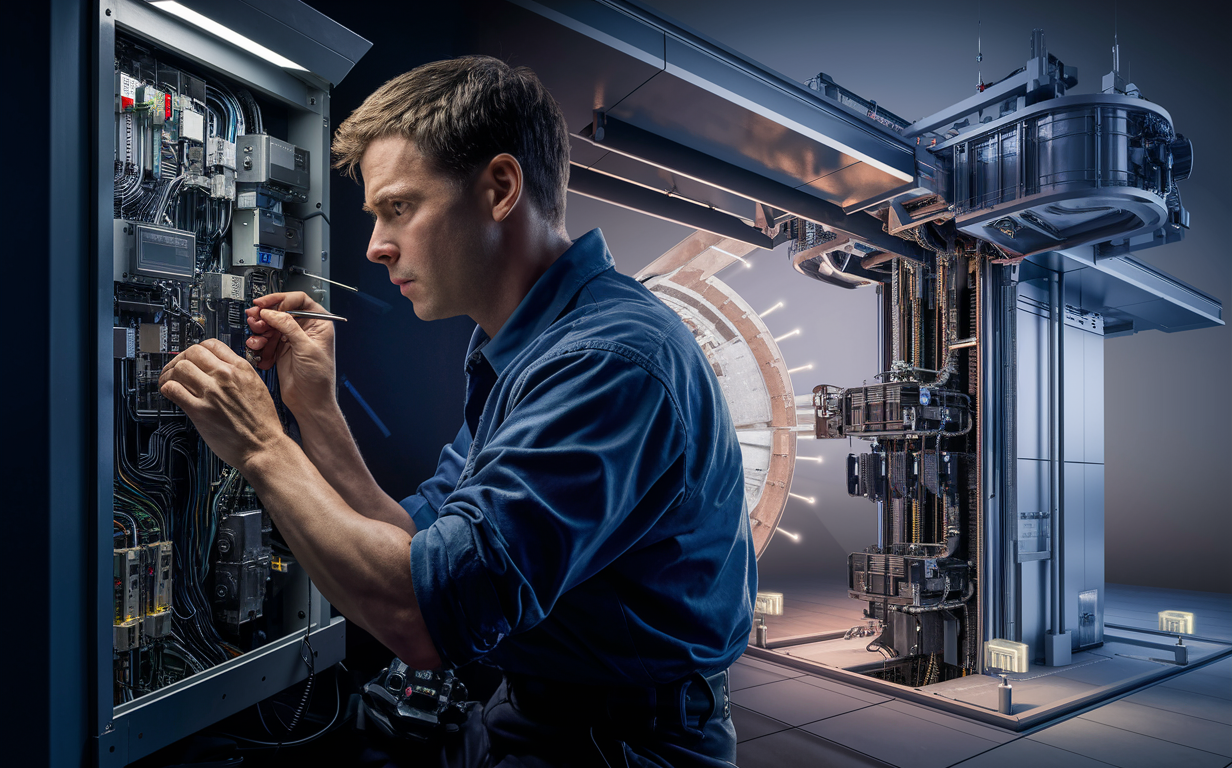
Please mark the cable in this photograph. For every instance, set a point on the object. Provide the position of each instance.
(306, 739)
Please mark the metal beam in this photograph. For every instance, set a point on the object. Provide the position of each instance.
(629, 140)
(612, 190)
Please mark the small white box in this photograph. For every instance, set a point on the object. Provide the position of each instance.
(769, 603)
(192, 125)
(1005, 655)
(1176, 622)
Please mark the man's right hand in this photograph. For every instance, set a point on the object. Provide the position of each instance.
(303, 350)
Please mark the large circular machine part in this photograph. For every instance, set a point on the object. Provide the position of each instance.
(746, 360)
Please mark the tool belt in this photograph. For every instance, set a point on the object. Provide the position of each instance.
(676, 711)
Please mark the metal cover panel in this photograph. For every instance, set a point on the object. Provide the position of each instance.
(1132, 296)
(668, 80)
(678, 107)
(292, 29)
(852, 185)
(584, 72)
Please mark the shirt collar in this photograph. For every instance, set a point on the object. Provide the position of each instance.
(587, 257)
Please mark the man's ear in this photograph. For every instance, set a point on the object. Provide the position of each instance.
(502, 185)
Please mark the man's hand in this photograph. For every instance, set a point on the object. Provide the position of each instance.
(303, 350)
(226, 400)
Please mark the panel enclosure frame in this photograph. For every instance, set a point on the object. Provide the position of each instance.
(134, 729)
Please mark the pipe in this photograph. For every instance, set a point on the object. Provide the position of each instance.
(1056, 467)
(942, 606)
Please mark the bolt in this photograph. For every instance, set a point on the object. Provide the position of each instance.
(302, 615)
(107, 12)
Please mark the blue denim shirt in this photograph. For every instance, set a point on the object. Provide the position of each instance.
(588, 522)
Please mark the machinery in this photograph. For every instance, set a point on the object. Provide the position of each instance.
(998, 234)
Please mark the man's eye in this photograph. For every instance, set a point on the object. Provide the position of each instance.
(398, 208)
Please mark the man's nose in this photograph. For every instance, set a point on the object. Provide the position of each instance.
(380, 249)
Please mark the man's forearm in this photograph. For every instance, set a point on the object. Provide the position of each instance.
(361, 565)
(331, 448)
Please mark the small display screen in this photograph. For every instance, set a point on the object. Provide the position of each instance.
(166, 253)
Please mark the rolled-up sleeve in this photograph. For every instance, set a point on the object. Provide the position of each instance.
(424, 505)
(588, 436)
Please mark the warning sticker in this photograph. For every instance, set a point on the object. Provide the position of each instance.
(128, 92)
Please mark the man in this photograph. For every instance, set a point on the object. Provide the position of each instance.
(586, 531)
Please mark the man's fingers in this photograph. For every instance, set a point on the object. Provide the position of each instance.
(215, 354)
(257, 343)
(186, 376)
(268, 300)
(178, 394)
(280, 322)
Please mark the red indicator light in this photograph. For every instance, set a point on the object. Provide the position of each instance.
(166, 106)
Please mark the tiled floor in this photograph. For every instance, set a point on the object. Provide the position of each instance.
(786, 718)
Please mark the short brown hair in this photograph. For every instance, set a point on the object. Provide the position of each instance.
(460, 113)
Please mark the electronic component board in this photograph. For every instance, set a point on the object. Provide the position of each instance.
(199, 232)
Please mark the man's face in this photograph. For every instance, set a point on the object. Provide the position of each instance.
(430, 234)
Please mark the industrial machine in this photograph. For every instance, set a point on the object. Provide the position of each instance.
(998, 235)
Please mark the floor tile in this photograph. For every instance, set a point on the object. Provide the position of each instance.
(1168, 726)
(1207, 685)
(847, 690)
(1185, 703)
(1221, 668)
(971, 727)
(752, 725)
(1025, 753)
(744, 676)
(1123, 748)
(798, 749)
(795, 702)
(900, 739)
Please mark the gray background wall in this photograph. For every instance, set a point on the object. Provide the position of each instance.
(1169, 477)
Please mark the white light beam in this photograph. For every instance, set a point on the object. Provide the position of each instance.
(787, 335)
(809, 499)
(768, 311)
(789, 534)
(808, 367)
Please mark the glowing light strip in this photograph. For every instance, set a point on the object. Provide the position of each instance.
(789, 534)
(809, 499)
(226, 33)
(740, 259)
(768, 311)
(809, 458)
(808, 367)
(787, 335)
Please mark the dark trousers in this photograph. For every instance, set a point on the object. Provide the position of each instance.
(498, 735)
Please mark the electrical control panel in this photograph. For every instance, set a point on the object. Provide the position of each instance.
(192, 547)
(220, 188)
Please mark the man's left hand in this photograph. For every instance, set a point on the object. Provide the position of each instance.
(226, 400)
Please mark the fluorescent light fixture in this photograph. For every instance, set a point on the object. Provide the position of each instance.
(226, 33)
(808, 367)
(809, 458)
(809, 499)
(787, 335)
(793, 536)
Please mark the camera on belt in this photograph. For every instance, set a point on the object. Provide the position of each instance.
(418, 704)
